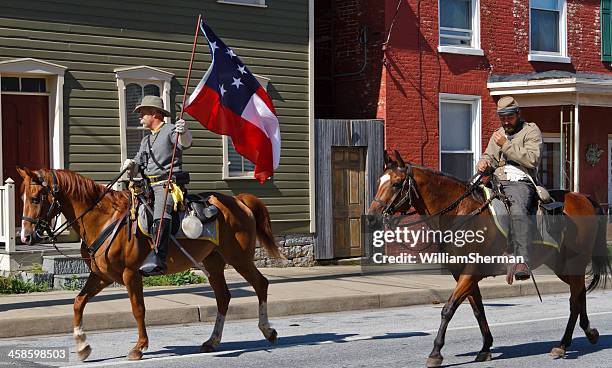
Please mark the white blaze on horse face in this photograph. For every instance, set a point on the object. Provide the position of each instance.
(23, 239)
(383, 179)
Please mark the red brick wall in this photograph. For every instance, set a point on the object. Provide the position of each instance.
(402, 85)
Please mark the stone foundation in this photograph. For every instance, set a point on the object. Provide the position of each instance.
(298, 250)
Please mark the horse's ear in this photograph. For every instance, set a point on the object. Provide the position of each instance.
(25, 172)
(398, 158)
(387, 159)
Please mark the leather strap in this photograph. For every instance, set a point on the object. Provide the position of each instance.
(110, 229)
(159, 166)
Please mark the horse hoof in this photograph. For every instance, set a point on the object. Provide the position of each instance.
(557, 352)
(134, 355)
(273, 336)
(433, 362)
(207, 348)
(593, 335)
(84, 353)
(483, 356)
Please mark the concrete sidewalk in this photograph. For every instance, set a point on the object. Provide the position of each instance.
(292, 291)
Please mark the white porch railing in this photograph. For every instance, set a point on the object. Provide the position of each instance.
(7, 215)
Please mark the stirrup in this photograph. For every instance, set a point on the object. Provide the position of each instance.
(152, 265)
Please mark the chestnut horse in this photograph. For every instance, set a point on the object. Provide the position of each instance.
(242, 219)
(429, 192)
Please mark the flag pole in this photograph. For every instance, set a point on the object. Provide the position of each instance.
(195, 42)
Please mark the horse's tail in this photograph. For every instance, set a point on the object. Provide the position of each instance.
(262, 223)
(600, 259)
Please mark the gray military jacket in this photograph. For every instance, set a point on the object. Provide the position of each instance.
(155, 151)
(522, 151)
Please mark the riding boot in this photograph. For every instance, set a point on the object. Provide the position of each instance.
(155, 263)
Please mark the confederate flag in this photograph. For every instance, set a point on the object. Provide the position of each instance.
(230, 101)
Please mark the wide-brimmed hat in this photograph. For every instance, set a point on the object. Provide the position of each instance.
(155, 102)
(507, 105)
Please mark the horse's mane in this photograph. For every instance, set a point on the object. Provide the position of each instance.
(455, 180)
(85, 189)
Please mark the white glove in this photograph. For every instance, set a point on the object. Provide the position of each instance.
(128, 164)
(180, 127)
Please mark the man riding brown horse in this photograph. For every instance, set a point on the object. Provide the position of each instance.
(514, 153)
(155, 156)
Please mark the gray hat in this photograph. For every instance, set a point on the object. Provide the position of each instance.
(507, 105)
(155, 102)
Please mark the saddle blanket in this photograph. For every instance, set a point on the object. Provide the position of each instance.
(210, 230)
(546, 235)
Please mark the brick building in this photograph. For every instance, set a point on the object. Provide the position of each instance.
(436, 75)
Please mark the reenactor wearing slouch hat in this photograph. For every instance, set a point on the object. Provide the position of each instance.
(514, 153)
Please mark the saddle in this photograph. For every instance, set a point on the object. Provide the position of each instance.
(191, 207)
(549, 218)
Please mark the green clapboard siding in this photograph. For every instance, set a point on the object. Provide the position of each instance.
(93, 38)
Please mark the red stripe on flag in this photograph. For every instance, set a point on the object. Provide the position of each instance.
(249, 141)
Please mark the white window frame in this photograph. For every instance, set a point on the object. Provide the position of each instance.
(255, 3)
(141, 75)
(475, 102)
(245, 175)
(474, 48)
(552, 57)
(555, 138)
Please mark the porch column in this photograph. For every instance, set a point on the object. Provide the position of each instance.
(576, 187)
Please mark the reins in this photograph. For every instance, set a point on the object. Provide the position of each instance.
(44, 222)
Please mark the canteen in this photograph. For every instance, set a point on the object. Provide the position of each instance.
(192, 226)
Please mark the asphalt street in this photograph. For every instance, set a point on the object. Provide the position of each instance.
(524, 331)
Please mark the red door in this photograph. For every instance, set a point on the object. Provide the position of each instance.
(25, 138)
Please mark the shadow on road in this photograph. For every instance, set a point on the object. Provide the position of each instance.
(237, 348)
(580, 346)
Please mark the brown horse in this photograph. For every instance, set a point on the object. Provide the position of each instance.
(242, 219)
(429, 192)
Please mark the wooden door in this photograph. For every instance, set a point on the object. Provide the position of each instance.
(25, 138)
(348, 200)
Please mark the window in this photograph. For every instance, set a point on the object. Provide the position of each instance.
(548, 31)
(459, 26)
(459, 134)
(22, 84)
(235, 166)
(606, 30)
(134, 132)
(133, 83)
(259, 3)
(549, 172)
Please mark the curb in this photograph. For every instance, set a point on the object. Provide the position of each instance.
(62, 324)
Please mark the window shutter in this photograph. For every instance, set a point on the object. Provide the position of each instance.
(606, 30)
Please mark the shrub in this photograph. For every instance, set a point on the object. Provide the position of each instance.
(17, 285)
(176, 279)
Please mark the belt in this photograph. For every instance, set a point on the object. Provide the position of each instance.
(157, 178)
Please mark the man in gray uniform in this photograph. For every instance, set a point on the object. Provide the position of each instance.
(514, 152)
(155, 156)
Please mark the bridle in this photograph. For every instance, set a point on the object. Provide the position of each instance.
(42, 224)
(406, 187)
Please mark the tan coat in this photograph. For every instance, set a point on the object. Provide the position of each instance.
(523, 151)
